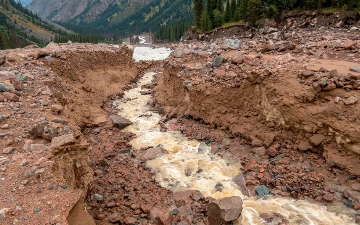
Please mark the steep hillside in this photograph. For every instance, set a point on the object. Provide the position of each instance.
(114, 17)
(157, 14)
(20, 27)
(85, 11)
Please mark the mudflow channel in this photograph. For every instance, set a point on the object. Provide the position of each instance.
(189, 165)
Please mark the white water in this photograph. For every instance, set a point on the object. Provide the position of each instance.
(179, 170)
(147, 53)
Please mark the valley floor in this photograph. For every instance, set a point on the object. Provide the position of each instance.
(282, 107)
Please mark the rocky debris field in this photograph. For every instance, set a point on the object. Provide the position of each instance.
(284, 104)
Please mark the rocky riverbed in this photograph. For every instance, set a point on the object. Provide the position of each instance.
(281, 106)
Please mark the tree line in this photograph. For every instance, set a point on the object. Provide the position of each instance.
(209, 14)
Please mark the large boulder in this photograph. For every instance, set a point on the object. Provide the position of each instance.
(266, 46)
(120, 122)
(231, 44)
(223, 211)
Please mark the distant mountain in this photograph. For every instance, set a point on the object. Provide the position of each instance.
(114, 17)
(85, 11)
(25, 2)
(20, 27)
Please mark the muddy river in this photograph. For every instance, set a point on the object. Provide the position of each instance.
(189, 165)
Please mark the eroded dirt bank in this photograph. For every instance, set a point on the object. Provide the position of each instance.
(49, 96)
(286, 106)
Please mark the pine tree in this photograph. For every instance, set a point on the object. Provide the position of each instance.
(227, 12)
(232, 9)
(198, 8)
(205, 21)
(220, 6)
(210, 7)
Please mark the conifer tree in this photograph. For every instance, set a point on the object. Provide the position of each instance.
(227, 12)
(198, 8)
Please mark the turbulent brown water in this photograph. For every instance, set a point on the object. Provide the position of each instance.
(180, 169)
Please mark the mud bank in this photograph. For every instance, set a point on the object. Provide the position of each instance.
(276, 109)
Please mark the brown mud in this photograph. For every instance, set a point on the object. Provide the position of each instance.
(297, 141)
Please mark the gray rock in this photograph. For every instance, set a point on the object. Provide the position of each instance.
(38, 129)
(7, 87)
(355, 69)
(351, 100)
(21, 76)
(98, 197)
(120, 122)
(219, 187)
(218, 61)
(2, 118)
(262, 191)
(225, 210)
(63, 140)
(231, 44)
(3, 88)
(202, 148)
(8, 150)
(179, 53)
(49, 58)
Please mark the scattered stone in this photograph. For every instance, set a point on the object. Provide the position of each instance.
(355, 187)
(152, 153)
(8, 150)
(328, 197)
(113, 218)
(225, 210)
(262, 191)
(231, 44)
(56, 108)
(3, 213)
(317, 86)
(38, 129)
(120, 122)
(218, 61)
(63, 140)
(271, 152)
(259, 151)
(355, 69)
(219, 187)
(97, 197)
(317, 139)
(307, 73)
(266, 46)
(130, 220)
(351, 100)
(304, 146)
(179, 53)
(10, 96)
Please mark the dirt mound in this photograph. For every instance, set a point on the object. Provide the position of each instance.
(86, 80)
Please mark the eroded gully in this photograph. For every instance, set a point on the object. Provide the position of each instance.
(189, 165)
